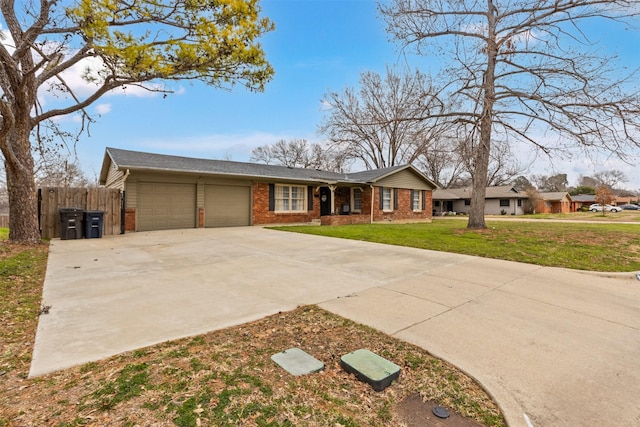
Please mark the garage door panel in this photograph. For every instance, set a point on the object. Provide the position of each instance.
(227, 206)
(165, 206)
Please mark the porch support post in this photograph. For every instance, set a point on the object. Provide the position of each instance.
(333, 202)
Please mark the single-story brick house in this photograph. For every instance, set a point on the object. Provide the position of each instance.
(171, 192)
(580, 200)
(505, 200)
(554, 202)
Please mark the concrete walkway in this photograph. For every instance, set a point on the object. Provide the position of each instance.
(554, 347)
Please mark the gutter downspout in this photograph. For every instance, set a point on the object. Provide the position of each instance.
(124, 179)
(372, 200)
(123, 204)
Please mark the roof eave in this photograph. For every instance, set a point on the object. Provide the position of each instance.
(226, 174)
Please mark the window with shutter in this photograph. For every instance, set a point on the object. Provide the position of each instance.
(290, 198)
(387, 199)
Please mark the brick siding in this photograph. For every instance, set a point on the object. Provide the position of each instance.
(342, 196)
(262, 214)
(130, 219)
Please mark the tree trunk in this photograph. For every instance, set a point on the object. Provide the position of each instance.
(481, 157)
(23, 202)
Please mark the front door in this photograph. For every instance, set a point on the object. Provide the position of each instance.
(325, 201)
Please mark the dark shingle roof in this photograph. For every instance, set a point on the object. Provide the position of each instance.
(584, 198)
(136, 160)
(553, 196)
(499, 192)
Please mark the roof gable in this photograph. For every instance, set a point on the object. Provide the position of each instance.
(555, 196)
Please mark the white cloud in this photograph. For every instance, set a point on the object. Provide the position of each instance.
(236, 147)
(103, 108)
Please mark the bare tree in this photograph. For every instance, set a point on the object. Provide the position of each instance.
(530, 203)
(522, 183)
(557, 182)
(520, 70)
(60, 171)
(299, 153)
(387, 121)
(587, 181)
(610, 178)
(604, 196)
(117, 44)
(442, 162)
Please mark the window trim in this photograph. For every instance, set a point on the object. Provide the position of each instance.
(390, 208)
(503, 205)
(353, 199)
(420, 204)
(303, 202)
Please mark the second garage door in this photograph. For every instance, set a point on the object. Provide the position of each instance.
(165, 206)
(227, 205)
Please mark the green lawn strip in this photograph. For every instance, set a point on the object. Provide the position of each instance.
(581, 246)
(21, 275)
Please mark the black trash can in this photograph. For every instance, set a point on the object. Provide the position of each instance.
(71, 223)
(93, 224)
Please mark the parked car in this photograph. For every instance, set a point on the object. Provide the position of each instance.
(608, 208)
(629, 207)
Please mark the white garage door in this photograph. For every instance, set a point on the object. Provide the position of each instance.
(165, 206)
(227, 205)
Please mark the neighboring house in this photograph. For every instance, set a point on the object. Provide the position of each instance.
(625, 200)
(554, 202)
(171, 192)
(501, 200)
(580, 200)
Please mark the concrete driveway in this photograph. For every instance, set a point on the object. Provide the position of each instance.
(554, 347)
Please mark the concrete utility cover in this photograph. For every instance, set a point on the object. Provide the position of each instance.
(297, 362)
(370, 368)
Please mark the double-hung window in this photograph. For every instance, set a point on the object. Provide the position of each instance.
(416, 200)
(356, 200)
(387, 199)
(290, 198)
(504, 202)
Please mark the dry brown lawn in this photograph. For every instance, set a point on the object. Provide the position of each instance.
(224, 378)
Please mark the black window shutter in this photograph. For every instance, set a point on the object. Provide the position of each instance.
(381, 197)
(272, 197)
(411, 199)
(395, 199)
(424, 200)
(309, 198)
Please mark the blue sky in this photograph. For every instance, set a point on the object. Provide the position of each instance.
(318, 45)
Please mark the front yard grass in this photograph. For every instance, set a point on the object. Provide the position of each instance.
(224, 378)
(583, 246)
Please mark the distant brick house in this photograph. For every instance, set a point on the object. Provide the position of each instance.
(580, 200)
(171, 192)
(555, 202)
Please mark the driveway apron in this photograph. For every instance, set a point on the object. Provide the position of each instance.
(553, 347)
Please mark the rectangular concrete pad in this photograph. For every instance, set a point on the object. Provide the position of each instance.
(370, 368)
(297, 362)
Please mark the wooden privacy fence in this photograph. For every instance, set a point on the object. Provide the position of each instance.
(51, 199)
